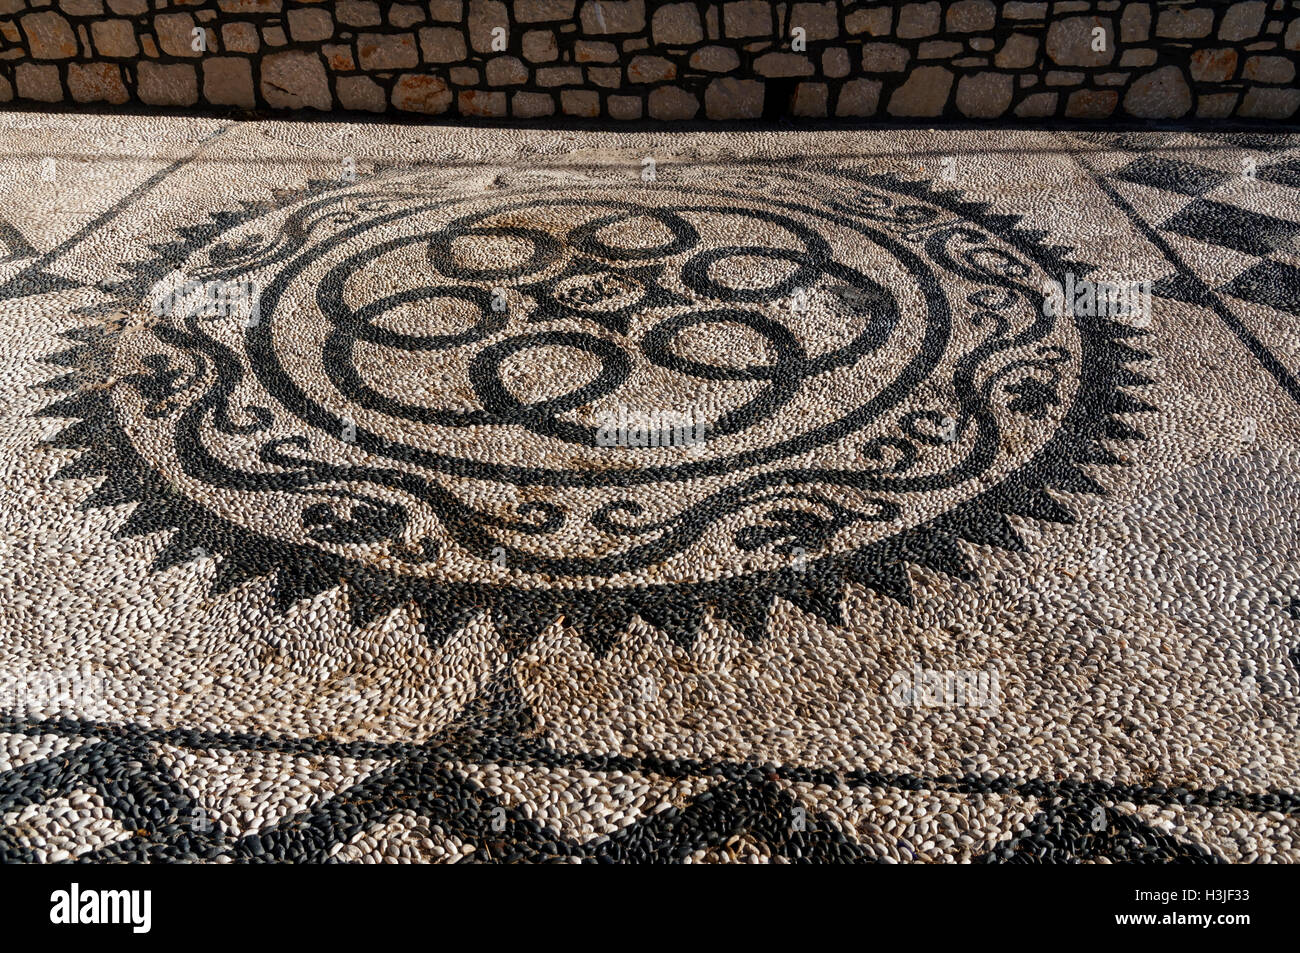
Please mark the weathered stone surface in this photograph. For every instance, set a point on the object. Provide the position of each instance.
(421, 94)
(1037, 106)
(294, 80)
(1161, 94)
(248, 6)
(984, 95)
(1292, 40)
(1264, 103)
(819, 21)
(358, 12)
(925, 93)
(559, 76)
(307, 24)
(361, 93)
(1213, 66)
(589, 51)
(1024, 11)
(1138, 58)
(810, 100)
(669, 102)
(714, 59)
(918, 19)
(1091, 104)
(115, 38)
(1135, 23)
(540, 47)
(129, 8)
(6, 91)
(338, 57)
(1269, 69)
(39, 82)
(876, 21)
(1215, 105)
(784, 64)
(1243, 20)
(464, 75)
(274, 36)
(49, 36)
(1069, 41)
(971, 16)
(1019, 52)
(506, 71)
(482, 103)
(387, 51)
(96, 83)
(938, 50)
(158, 84)
(835, 62)
(858, 97)
(610, 77)
(580, 102)
(747, 18)
(1185, 23)
(532, 105)
(240, 38)
(442, 44)
(174, 34)
(883, 58)
(732, 98)
(484, 16)
(650, 69)
(450, 11)
(677, 24)
(541, 11)
(228, 81)
(612, 16)
(624, 107)
(404, 15)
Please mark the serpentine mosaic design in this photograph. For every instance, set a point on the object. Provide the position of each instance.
(411, 426)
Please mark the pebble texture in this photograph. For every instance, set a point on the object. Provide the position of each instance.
(945, 578)
(648, 59)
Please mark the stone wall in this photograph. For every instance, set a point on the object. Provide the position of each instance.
(634, 59)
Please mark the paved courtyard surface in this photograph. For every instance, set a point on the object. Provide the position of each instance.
(391, 493)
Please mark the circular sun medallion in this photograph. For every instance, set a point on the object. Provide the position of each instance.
(506, 390)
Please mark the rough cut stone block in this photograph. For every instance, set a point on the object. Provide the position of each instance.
(338, 57)
(358, 12)
(925, 93)
(274, 36)
(484, 17)
(506, 71)
(421, 94)
(1264, 103)
(540, 11)
(1161, 94)
(612, 16)
(873, 22)
(1185, 24)
(129, 8)
(447, 11)
(677, 24)
(1269, 69)
(1135, 23)
(747, 18)
(835, 62)
(1025, 11)
(1069, 41)
(580, 102)
(938, 50)
(809, 100)
(1213, 66)
(174, 34)
(1292, 41)
(1243, 21)
(1138, 58)
(731, 98)
(858, 97)
(540, 46)
(1215, 105)
(295, 79)
(1037, 106)
(39, 82)
(114, 38)
(96, 83)
(532, 105)
(918, 19)
(1018, 52)
(228, 81)
(650, 69)
(442, 45)
(403, 15)
(971, 16)
(248, 6)
(6, 91)
(714, 59)
(240, 38)
(624, 107)
(784, 64)
(49, 36)
(482, 103)
(158, 84)
(1091, 104)
(984, 95)
(610, 77)
(559, 76)
(464, 75)
(883, 58)
(307, 24)
(588, 51)
(387, 51)
(669, 102)
(819, 21)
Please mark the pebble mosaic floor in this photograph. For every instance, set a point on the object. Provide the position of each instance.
(359, 574)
